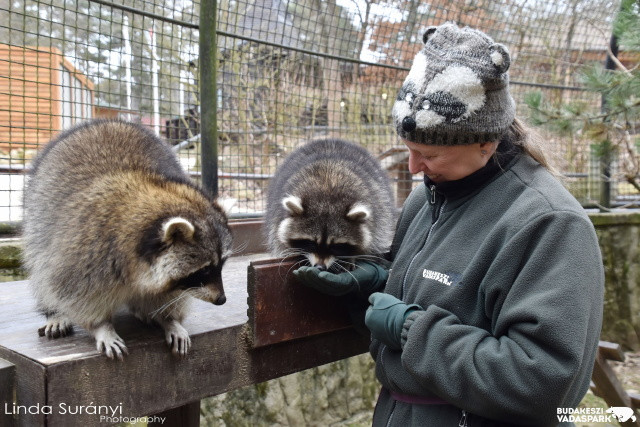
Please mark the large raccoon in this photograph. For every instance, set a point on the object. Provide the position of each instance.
(111, 221)
(330, 200)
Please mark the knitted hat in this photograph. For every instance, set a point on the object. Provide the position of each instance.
(457, 91)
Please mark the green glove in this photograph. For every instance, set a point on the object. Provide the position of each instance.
(385, 317)
(366, 278)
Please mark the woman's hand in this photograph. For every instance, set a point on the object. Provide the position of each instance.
(366, 278)
(385, 318)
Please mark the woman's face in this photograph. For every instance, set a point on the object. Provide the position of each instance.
(448, 163)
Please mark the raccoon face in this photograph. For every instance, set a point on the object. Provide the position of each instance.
(186, 255)
(325, 234)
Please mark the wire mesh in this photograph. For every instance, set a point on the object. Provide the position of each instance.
(288, 71)
(63, 62)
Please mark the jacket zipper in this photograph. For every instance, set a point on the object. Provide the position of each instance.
(436, 217)
(463, 420)
(404, 281)
(393, 410)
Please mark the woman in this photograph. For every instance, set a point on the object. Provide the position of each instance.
(492, 309)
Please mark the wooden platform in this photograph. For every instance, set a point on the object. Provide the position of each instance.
(68, 374)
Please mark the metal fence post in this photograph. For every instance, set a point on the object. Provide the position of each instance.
(208, 95)
(606, 153)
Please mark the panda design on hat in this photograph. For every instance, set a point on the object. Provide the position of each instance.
(456, 91)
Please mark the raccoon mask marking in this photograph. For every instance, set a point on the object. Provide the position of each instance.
(112, 220)
(165, 248)
(322, 251)
(329, 201)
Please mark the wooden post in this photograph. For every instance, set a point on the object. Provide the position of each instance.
(183, 416)
(7, 391)
(281, 309)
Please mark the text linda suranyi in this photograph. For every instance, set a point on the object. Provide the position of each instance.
(63, 409)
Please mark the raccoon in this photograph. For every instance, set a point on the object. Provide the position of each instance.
(111, 221)
(330, 201)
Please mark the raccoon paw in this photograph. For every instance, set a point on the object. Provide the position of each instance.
(56, 328)
(177, 338)
(109, 342)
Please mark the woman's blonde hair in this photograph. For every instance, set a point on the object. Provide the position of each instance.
(531, 143)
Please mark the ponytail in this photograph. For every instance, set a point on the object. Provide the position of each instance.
(531, 143)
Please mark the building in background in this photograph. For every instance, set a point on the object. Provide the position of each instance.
(41, 93)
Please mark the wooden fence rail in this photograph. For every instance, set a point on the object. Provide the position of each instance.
(55, 379)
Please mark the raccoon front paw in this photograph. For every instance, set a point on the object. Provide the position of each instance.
(177, 338)
(109, 342)
(56, 328)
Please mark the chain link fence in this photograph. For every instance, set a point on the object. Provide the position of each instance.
(288, 71)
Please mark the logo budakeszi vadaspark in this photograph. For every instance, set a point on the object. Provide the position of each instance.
(596, 415)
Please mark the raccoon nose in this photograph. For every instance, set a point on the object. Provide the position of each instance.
(221, 300)
(409, 124)
(321, 267)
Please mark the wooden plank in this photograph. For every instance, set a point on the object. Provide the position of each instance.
(29, 390)
(611, 351)
(150, 380)
(7, 392)
(184, 416)
(20, 320)
(281, 309)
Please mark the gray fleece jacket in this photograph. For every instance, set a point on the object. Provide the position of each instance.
(511, 280)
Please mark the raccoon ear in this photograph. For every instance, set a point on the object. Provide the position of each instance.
(177, 226)
(293, 205)
(358, 213)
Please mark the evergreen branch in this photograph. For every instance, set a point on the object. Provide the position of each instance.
(615, 60)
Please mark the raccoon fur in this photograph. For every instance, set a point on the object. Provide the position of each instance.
(111, 221)
(330, 201)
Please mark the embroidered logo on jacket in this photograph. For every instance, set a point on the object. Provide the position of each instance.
(445, 279)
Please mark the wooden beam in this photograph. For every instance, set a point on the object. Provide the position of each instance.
(7, 391)
(282, 309)
(611, 351)
(183, 416)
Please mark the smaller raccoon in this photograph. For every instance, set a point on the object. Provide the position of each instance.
(111, 221)
(330, 201)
